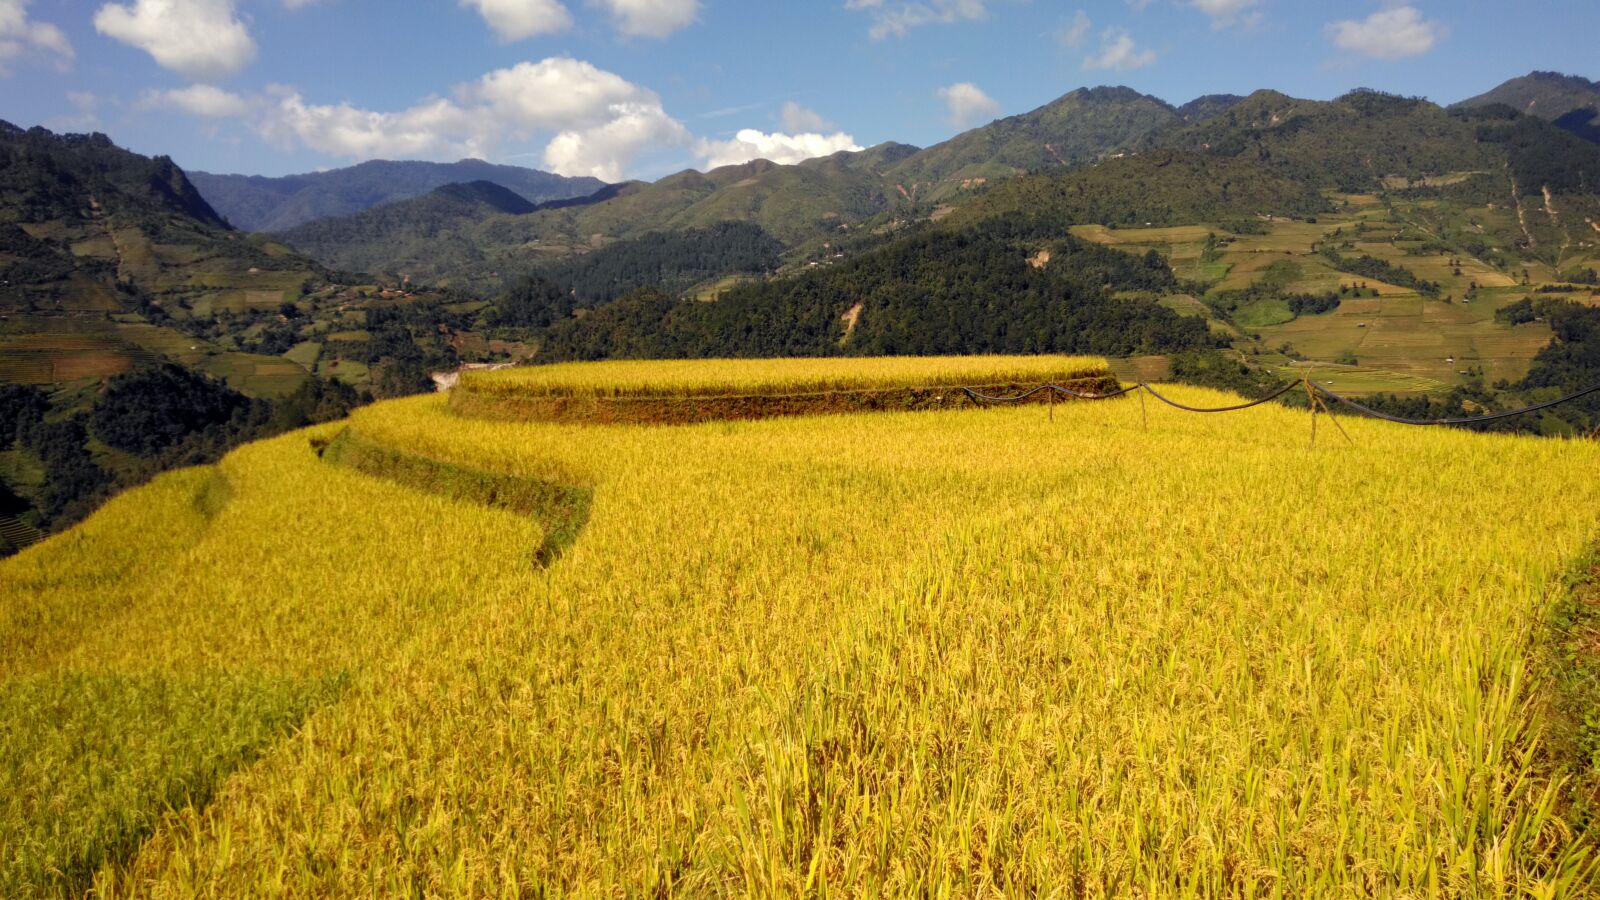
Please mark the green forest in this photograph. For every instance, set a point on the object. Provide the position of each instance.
(935, 292)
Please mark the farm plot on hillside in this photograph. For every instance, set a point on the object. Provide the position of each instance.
(48, 350)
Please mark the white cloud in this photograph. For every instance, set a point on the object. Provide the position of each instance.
(201, 100)
(594, 122)
(651, 18)
(1118, 51)
(1072, 34)
(967, 105)
(605, 151)
(784, 149)
(897, 19)
(797, 118)
(559, 92)
(202, 39)
(1224, 13)
(432, 129)
(19, 34)
(515, 20)
(1394, 33)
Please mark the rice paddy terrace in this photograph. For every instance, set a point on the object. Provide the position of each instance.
(1385, 338)
(1098, 651)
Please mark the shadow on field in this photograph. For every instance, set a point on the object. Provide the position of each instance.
(561, 509)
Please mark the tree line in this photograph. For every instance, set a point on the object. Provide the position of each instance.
(161, 418)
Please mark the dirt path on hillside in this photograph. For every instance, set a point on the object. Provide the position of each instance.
(1522, 215)
(851, 318)
(1555, 221)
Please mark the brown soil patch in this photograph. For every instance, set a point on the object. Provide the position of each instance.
(90, 365)
(851, 318)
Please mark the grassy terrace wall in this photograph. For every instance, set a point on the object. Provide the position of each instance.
(686, 392)
(560, 508)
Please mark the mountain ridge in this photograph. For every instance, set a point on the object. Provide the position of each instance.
(805, 203)
(262, 203)
(1572, 102)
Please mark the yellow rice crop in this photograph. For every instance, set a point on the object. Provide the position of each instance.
(679, 378)
(958, 653)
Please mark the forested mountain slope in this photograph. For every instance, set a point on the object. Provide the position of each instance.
(800, 205)
(1080, 127)
(1570, 101)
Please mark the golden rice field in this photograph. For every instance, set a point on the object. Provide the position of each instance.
(974, 652)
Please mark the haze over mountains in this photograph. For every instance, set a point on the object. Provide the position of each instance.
(256, 203)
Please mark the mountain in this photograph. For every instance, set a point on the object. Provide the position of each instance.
(409, 237)
(91, 228)
(140, 332)
(489, 194)
(1367, 142)
(1570, 101)
(802, 205)
(1351, 143)
(1203, 109)
(103, 253)
(55, 177)
(1162, 187)
(256, 203)
(1082, 126)
(474, 247)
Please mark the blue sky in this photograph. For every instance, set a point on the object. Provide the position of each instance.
(640, 88)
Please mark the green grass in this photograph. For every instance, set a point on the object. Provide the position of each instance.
(1364, 379)
(348, 371)
(1263, 313)
(91, 763)
(305, 354)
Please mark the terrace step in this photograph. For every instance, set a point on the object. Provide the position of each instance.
(18, 533)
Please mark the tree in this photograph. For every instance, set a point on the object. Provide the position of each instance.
(147, 411)
(21, 407)
(394, 377)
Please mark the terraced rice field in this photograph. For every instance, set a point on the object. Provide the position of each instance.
(1427, 339)
(56, 357)
(1116, 652)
